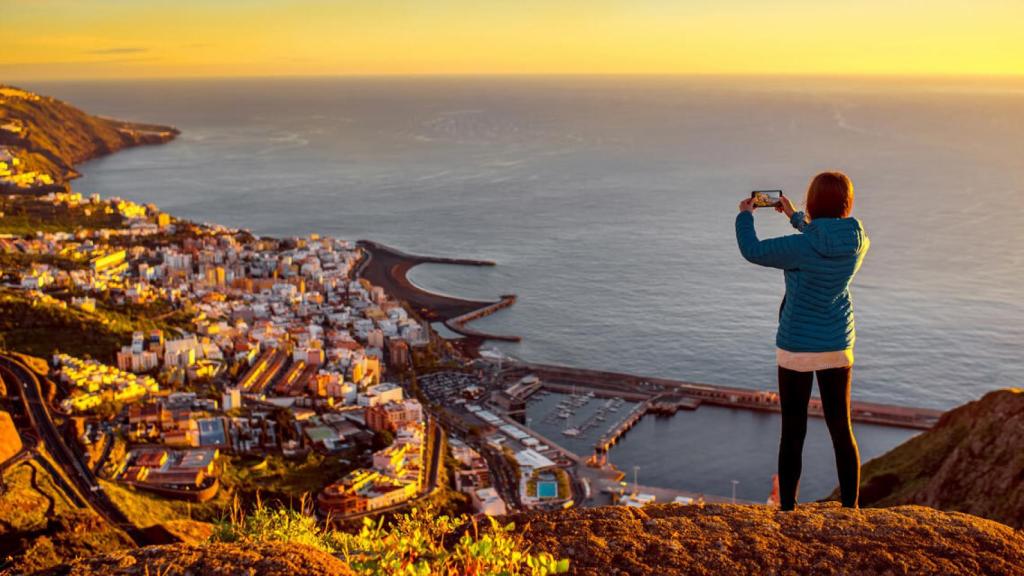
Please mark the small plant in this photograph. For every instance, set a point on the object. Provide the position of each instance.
(415, 546)
(419, 543)
(266, 524)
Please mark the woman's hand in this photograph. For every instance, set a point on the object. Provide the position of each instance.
(785, 205)
(747, 205)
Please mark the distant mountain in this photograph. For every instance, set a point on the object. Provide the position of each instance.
(971, 461)
(48, 137)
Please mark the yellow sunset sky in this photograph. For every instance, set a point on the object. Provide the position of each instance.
(56, 39)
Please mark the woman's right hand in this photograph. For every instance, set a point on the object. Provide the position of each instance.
(785, 205)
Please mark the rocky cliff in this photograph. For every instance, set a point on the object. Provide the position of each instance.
(972, 461)
(815, 539)
(669, 540)
(49, 136)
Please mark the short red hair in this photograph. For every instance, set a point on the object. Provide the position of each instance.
(830, 195)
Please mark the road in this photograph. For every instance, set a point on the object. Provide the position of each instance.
(432, 481)
(503, 476)
(437, 460)
(71, 461)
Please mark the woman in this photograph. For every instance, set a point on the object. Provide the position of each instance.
(816, 330)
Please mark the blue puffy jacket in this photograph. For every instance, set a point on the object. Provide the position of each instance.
(819, 263)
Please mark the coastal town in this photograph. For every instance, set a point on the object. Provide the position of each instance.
(264, 347)
(198, 363)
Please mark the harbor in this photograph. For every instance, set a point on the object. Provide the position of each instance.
(610, 384)
(683, 453)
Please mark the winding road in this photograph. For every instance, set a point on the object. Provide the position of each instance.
(75, 468)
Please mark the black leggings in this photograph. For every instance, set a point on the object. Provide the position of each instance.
(794, 394)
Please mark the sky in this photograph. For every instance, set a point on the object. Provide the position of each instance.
(79, 39)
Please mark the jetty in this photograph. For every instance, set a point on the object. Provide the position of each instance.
(608, 439)
(458, 324)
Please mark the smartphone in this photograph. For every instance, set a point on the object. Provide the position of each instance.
(766, 198)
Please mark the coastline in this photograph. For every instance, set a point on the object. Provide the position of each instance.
(47, 138)
(388, 268)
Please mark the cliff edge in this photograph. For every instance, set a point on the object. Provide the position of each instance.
(815, 539)
(48, 137)
(666, 540)
(971, 461)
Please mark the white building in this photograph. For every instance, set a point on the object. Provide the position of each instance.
(182, 352)
(487, 501)
(381, 394)
(232, 398)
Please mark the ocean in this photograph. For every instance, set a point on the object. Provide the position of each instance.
(608, 205)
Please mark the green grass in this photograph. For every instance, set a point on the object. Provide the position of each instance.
(146, 510)
(43, 328)
(29, 224)
(19, 261)
(24, 508)
(44, 540)
(422, 542)
(282, 478)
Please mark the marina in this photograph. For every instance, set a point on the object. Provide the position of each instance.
(678, 394)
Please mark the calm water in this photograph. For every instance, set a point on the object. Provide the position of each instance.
(706, 449)
(609, 204)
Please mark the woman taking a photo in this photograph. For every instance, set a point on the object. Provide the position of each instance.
(816, 329)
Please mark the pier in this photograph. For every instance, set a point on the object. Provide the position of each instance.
(609, 438)
(458, 324)
(669, 404)
(686, 394)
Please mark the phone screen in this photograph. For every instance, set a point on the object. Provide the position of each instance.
(765, 198)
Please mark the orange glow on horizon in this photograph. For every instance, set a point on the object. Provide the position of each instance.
(62, 39)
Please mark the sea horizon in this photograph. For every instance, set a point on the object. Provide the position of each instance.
(496, 169)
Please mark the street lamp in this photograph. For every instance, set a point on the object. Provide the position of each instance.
(734, 483)
(636, 485)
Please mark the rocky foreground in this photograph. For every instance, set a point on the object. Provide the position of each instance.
(271, 559)
(668, 540)
(815, 539)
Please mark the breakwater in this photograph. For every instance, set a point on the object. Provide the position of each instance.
(459, 323)
(603, 382)
(388, 268)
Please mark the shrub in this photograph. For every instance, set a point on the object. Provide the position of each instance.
(415, 545)
(419, 543)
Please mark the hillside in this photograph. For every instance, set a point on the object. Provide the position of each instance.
(40, 526)
(10, 441)
(667, 540)
(49, 136)
(972, 461)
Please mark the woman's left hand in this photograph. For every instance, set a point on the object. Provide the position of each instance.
(747, 205)
(785, 206)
